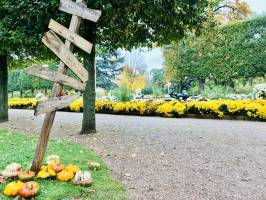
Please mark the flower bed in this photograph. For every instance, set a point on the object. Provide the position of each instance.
(22, 103)
(249, 109)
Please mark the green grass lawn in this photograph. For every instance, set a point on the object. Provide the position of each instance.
(19, 148)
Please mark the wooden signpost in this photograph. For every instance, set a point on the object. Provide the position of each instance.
(78, 10)
(54, 104)
(45, 73)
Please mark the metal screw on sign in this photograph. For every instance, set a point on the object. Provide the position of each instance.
(64, 51)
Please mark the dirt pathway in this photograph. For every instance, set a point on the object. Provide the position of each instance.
(159, 158)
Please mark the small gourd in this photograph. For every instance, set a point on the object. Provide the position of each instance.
(73, 168)
(83, 178)
(43, 174)
(51, 172)
(2, 179)
(56, 167)
(94, 165)
(26, 176)
(44, 168)
(53, 159)
(65, 175)
(13, 188)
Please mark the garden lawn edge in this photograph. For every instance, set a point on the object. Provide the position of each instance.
(20, 148)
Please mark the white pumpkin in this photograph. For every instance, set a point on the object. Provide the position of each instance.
(11, 170)
(83, 178)
(53, 159)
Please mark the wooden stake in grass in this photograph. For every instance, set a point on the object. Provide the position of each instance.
(63, 51)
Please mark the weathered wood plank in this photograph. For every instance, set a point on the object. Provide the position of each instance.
(54, 76)
(71, 36)
(54, 104)
(51, 40)
(80, 10)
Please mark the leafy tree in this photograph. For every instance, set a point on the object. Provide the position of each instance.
(232, 10)
(132, 81)
(108, 67)
(157, 80)
(236, 51)
(12, 81)
(128, 24)
(125, 24)
(22, 24)
(157, 77)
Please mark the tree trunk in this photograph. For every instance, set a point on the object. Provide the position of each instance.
(89, 96)
(3, 89)
(201, 86)
(180, 86)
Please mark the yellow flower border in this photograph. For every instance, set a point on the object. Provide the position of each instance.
(253, 109)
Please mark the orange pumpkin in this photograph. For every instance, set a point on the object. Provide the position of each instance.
(2, 179)
(56, 167)
(25, 176)
(29, 190)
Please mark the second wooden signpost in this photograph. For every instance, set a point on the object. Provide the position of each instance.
(63, 51)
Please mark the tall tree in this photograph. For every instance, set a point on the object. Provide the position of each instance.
(124, 24)
(157, 79)
(236, 51)
(128, 24)
(22, 24)
(227, 11)
(3, 88)
(131, 80)
(108, 67)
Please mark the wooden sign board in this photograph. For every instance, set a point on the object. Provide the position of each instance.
(70, 36)
(53, 42)
(54, 104)
(80, 10)
(54, 76)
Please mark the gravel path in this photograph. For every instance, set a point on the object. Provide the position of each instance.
(159, 158)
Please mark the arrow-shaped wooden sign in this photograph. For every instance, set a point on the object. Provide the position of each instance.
(53, 104)
(50, 75)
(70, 36)
(53, 42)
(80, 10)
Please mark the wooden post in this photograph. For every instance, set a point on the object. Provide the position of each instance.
(64, 52)
(49, 118)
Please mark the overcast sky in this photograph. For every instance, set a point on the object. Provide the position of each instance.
(154, 58)
(258, 6)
